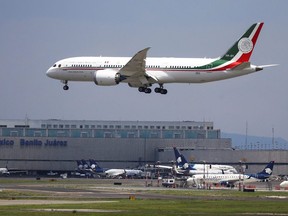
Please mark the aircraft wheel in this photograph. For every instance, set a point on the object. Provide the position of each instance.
(163, 91)
(141, 89)
(157, 90)
(147, 90)
(66, 87)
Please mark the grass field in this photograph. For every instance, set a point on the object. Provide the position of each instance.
(173, 202)
(154, 207)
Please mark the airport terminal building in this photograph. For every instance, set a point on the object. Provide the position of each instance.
(45, 145)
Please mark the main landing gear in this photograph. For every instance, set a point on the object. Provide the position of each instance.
(65, 87)
(146, 90)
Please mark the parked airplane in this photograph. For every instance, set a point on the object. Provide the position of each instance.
(231, 179)
(284, 184)
(88, 169)
(4, 171)
(92, 168)
(141, 72)
(192, 169)
(119, 173)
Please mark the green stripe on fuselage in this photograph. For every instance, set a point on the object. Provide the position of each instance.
(211, 65)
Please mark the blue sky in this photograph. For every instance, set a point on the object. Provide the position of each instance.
(35, 34)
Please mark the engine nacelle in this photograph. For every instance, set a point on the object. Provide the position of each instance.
(107, 77)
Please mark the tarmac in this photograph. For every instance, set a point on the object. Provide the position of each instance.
(99, 190)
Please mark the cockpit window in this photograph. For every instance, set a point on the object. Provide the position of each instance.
(54, 65)
(59, 65)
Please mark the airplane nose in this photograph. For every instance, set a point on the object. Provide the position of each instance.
(51, 72)
(48, 72)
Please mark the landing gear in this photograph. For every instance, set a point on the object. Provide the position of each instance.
(65, 87)
(161, 90)
(144, 89)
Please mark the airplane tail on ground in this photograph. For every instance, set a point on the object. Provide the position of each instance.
(95, 166)
(91, 167)
(242, 49)
(265, 173)
(79, 164)
(181, 160)
(85, 164)
(268, 169)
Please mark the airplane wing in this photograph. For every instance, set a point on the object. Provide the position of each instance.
(136, 66)
(135, 71)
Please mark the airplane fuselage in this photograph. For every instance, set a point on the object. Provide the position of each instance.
(165, 70)
(221, 178)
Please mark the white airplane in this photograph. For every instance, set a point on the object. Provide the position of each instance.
(231, 179)
(4, 171)
(84, 168)
(114, 173)
(284, 184)
(141, 72)
(192, 169)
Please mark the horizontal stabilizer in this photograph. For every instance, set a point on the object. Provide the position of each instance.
(261, 67)
(271, 65)
(242, 66)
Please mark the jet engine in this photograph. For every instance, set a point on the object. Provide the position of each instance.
(107, 77)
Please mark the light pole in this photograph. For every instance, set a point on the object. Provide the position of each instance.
(241, 174)
(204, 178)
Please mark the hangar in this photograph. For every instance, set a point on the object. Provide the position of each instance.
(53, 144)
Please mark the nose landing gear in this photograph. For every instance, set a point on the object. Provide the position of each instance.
(65, 87)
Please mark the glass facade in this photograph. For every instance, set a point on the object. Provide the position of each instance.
(110, 129)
